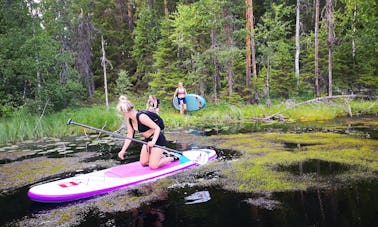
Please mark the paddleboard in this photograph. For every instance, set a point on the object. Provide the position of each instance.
(107, 180)
(193, 102)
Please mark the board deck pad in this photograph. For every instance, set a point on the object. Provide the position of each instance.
(193, 102)
(103, 181)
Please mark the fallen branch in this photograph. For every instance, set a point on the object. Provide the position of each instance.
(316, 100)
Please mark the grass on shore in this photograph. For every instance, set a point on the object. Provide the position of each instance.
(23, 126)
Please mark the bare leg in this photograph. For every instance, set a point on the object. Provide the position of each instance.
(181, 108)
(144, 156)
(157, 159)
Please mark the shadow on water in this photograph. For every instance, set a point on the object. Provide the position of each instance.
(316, 166)
(349, 206)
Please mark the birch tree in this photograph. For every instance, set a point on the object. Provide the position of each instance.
(104, 61)
(297, 40)
(317, 90)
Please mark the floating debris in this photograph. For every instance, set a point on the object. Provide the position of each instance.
(198, 197)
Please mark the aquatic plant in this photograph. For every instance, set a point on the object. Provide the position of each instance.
(22, 125)
(263, 152)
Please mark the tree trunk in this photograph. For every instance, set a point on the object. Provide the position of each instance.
(216, 73)
(256, 98)
(83, 60)
(230, 60)
(317, 91)
(103, 63)
(297, 41)
(330, 42)
(166, 11)
(130, 15)
(248, 48)
(267, 84)
(36, 59)
(353, 41)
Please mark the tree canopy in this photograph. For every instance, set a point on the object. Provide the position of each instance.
(51, 50)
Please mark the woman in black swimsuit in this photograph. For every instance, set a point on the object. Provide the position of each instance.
(180, 92)
(140, 122)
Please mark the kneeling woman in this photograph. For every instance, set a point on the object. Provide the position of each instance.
(140, 122)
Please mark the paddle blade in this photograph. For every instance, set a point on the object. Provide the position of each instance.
(198, 157)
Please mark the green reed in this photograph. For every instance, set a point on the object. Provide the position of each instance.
(22, 125)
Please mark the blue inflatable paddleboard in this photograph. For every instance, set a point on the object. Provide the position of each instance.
(193, 102)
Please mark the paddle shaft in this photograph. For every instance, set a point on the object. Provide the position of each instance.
(116, 135)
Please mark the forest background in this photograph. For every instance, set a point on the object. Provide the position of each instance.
(71, 53)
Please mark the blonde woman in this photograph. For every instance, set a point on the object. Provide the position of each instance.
(152, 104)
(140, 122)
(180, 93)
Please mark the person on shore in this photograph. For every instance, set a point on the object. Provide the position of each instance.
(140, 122)
(180, 94)
(153, 104)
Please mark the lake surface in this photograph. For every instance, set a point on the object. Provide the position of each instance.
(352, 204)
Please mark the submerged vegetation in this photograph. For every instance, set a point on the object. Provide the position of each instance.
(264, 152)
(23, 126)
(265, 161)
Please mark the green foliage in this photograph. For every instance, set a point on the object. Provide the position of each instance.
(308, 62)
(356, 73)
(32, 65)
(123, 83)
(276, 56)
(147, 33)
(199, 43)
(163, 81)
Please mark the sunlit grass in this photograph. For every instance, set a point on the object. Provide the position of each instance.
(22, 125)
(313, 112)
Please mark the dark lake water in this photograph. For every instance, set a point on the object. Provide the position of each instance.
(349, 206)
(352, 204)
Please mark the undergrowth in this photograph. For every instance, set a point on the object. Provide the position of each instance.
(22, 125)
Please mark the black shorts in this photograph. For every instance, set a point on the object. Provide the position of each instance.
(161, 141)
(181, 100)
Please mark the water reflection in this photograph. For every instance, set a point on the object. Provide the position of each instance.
(349, 206)
(315, 166)
(356, 126)
(353, 205)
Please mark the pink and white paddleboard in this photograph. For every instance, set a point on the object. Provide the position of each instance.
(103, 181)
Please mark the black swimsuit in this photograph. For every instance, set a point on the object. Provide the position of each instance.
(161, 141)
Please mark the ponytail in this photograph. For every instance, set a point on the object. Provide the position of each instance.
(124, 105)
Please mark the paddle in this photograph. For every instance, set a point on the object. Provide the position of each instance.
(201, 159)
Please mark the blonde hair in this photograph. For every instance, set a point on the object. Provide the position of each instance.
(124, 105)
